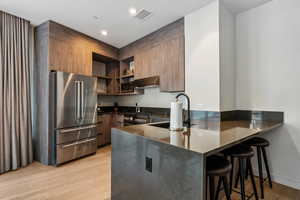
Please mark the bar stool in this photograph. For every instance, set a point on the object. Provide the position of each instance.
(260, 144)
(218, 166)
(243, 154)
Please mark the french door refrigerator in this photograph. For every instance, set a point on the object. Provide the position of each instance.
(73, 115)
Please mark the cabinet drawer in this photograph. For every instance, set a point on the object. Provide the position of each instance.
(74, 134)
(100, 140)
(71, 151)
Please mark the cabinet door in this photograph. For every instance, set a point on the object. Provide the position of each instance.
(100, 133)
(147, 62)
(172, 67)
(67, 56)
(156, 60)
(100, 140)
(140, 65)
(69, 51)
(165, 60)
(107, 128)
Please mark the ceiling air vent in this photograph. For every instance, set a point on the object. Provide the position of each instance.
(143, 15)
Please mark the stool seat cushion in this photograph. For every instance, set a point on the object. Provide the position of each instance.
(257, 142)
(239, 151)
(217, 166)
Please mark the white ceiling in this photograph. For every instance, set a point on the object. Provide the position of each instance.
(113, 15)
(237, 6)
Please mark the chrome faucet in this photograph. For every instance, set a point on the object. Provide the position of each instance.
(188, 121)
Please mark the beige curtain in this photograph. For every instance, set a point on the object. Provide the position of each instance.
(15, 103)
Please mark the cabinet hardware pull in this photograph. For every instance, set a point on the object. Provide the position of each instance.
(77, 143)
(77, 129)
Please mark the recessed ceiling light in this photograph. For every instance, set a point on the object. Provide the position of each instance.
(132, 11)
(104, 32)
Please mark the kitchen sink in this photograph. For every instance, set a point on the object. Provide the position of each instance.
(161, 125)
(136, 118)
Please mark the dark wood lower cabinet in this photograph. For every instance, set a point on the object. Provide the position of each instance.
(108, 121)
(100, 136)
(100, 139)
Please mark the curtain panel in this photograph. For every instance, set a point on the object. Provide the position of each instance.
(15, 93)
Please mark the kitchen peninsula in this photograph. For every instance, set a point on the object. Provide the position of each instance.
(151, 162)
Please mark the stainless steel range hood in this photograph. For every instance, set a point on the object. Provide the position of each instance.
(150, 82)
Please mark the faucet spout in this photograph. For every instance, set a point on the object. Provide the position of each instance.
(188, 121)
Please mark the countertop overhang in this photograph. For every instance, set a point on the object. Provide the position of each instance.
(207, 137)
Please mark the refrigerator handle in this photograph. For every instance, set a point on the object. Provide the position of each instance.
(77, 100)
(81, 99)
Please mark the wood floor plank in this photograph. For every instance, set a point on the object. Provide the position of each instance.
(85, 179)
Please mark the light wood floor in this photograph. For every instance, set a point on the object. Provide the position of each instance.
(84, 179)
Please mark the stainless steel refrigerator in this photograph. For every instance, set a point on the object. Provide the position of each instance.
(73, 115)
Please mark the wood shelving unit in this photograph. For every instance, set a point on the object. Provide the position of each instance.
(103, 94)
(127, 76)
(130, 93)
(115, 78)
(107, 71)
(103, 77)
(122, 94)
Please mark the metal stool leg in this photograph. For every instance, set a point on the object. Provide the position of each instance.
(218, 188)
(231, 174)
(212, 188)
(237, 177)
(247, 171)
(242, 178)
(267, 166)
(225, 184)
(261, 179)
(252, 177)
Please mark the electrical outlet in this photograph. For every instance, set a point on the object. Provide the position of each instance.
(148, 164)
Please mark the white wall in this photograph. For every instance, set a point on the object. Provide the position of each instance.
(268, 74)
(227, 58)
(202, 58)
(151, 98)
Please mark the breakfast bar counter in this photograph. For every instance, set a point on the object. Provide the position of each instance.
(151, 162)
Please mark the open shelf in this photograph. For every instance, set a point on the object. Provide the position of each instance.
(120, 94)
(115, 78)
(107, 94)
(127, 75)
(130, 93)
(126, 91)
(102, 93)
(127, 83)
(107, 71)
(103, 77)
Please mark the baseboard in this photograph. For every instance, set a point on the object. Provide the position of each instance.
(283, 180)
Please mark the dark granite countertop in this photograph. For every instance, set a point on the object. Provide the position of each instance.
(207, 137)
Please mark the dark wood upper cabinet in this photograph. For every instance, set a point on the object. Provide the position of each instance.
(172, 72)
(72, 51)
(69, 57)
(147, 62)
(160, 54)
